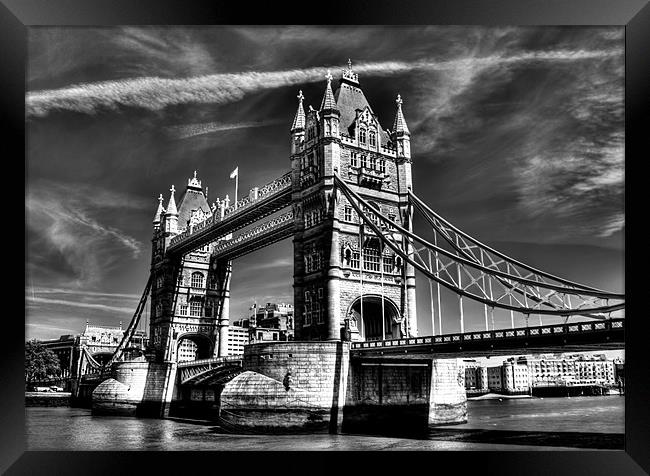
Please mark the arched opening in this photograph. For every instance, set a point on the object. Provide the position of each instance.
(193, 347)
(102, 357)
(369, 319)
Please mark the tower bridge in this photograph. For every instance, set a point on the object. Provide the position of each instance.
(349, 205)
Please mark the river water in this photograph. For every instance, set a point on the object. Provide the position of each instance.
(518, 424)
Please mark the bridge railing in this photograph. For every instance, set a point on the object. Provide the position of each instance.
(212, 360)
(575, 328)
(261, 230)
(269, 190)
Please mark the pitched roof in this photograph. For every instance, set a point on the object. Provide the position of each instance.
(349, 99)
(192, 199)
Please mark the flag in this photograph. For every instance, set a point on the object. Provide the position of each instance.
(235, 172)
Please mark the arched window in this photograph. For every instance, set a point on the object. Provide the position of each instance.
(195, 308)
(373, 138)
(362, 136)
(197, 280)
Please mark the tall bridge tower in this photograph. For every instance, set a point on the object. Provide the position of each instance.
(347, 285)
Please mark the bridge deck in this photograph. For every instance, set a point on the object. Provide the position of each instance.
(578, 337)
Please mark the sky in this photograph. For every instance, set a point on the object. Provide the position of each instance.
(517, 137)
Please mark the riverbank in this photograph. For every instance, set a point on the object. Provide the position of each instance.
(47, 399)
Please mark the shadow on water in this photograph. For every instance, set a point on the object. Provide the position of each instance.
(571, 439)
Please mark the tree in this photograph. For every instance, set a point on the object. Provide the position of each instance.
(40, 362)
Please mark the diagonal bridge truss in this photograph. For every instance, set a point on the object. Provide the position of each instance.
(473, 270)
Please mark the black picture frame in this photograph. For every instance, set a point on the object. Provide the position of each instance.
(17, 15)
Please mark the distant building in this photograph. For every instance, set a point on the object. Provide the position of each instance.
(494, 378)
(99, 341)
(237, 339)
(515, 376)
(572, 369)
(476, 377)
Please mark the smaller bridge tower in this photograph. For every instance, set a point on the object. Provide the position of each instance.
(187, 295)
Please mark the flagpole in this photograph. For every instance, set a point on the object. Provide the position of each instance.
(236, 186)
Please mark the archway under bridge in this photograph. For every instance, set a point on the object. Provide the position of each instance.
(368, 321)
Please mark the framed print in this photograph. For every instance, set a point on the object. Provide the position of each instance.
(380, 227)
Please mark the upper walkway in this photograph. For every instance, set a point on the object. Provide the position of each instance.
(260, 203)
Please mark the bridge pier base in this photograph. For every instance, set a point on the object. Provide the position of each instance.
(447, 397)
(137, 388)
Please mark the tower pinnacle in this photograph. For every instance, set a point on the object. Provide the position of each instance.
(299, 120)
(399, 126)
(159, 212)
(328, 99)
(171, 206)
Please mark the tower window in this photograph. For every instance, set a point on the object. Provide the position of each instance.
(371, 259)
(373, 138)
(195, 308)
(362, 136)
(388, 264)
(354, 262)
(348, 214)
(197, 280)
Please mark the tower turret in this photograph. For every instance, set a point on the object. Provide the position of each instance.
(329, 112)
(401, 133)
(159, 213)
(298, 126)
(171, 216)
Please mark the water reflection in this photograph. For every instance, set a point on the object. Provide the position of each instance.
(531, 424)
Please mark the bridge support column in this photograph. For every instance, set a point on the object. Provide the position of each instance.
(334, 282)
(224, 314)
(447, 397)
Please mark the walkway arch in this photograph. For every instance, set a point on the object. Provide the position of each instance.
(193, 346)
(369, 325)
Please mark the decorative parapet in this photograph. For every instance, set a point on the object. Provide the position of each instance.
(269, 190)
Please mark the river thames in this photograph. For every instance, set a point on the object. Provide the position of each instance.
(518, 424)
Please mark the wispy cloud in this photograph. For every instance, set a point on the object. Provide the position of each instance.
(86, 305)
(80, 293)
(191, 130)
(156, 93)
(66, 225)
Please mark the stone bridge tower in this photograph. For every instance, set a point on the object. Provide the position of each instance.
(345, 281)
(189, 294)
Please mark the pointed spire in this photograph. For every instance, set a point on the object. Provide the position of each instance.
(159, 212)
(400, 123)
(299, 120)
(171, 206)
(328, 99)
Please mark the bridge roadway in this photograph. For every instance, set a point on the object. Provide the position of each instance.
(573, 337)
(269, 199)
